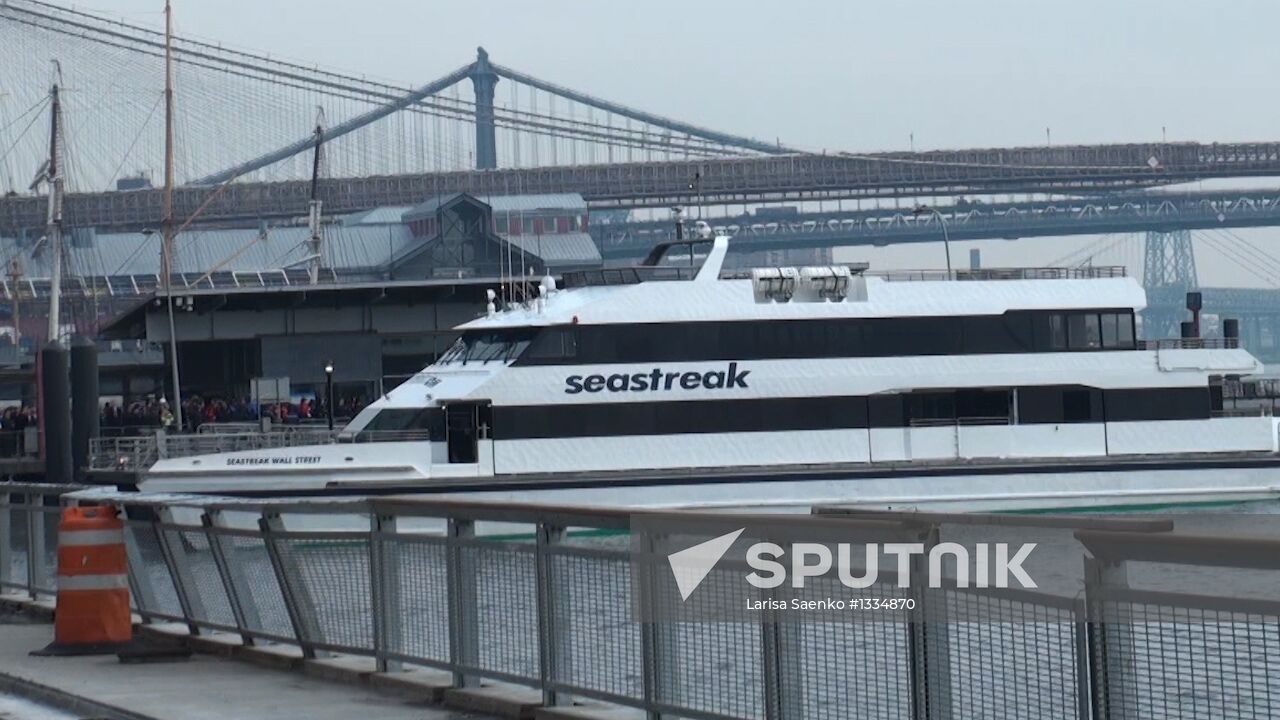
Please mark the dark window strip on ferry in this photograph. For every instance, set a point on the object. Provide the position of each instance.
(1013, 332)
(419, 423)
(1035, 405)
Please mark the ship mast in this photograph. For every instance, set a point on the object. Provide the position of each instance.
(315, 245)
(15, 277)
(54, 225)
(166, 243)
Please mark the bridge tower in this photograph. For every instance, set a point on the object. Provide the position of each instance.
(483, 80)
(1169, 273)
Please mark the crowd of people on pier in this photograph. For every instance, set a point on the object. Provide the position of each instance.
(200, 410)
(14, 420)
(145, 416)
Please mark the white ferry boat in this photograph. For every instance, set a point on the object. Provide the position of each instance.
(664, 386)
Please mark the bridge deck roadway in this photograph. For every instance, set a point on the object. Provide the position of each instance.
(884, 226)
(1067, 169)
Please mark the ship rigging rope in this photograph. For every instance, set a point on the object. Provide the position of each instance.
(127, 153)
(38, 106)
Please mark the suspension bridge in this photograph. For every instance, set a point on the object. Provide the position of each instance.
(246, 126)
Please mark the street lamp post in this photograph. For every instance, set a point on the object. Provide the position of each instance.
(946, 238)
(328, 391)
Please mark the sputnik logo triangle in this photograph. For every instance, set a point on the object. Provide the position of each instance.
(691, 565)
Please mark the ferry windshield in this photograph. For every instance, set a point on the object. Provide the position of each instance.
(487, 346)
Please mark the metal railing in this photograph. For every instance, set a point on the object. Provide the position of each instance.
(633, 275)
(140, 453)
(963, 421)
(28, 538)
(543, 596)
(20, 444)
(1228, 644)
(123, 453)
(1091, 272)
(1190, 344)
(1253, 411)
(628, 275)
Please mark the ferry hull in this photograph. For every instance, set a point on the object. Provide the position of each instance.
(1081, 484)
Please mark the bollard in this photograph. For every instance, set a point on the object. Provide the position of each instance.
(84, 402)
(92, 615)
(55, 414)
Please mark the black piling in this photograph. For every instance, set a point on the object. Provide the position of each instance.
(84, 402)
(56, 413)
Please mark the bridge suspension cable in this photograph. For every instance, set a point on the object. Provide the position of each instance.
(1243, 254)
(263, 97)
(1228, 254)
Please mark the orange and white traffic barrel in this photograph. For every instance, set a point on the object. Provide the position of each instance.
(92, 613)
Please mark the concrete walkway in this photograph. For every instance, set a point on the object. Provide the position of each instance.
(205, 687)
(16, 708)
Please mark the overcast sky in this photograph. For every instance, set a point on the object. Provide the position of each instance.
(835, 74)
(847, 74)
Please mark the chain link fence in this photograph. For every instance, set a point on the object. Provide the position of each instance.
(547, 598)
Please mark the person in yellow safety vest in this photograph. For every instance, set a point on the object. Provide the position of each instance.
(166, 415)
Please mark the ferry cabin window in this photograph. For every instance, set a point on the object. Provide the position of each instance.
(680, 417)
(930, 408)
(1083, 331)
(982, 406)
(1091, 331)
(1165, 404)
(553, 345)
(428, 422)
(1036, 405)
(485, 347)
(1059, 404)
(1110, 330)
(1058, 332)
(1124, 323)
(1013, 332)
(969, 406)
(885, 411)
(1077, 405)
